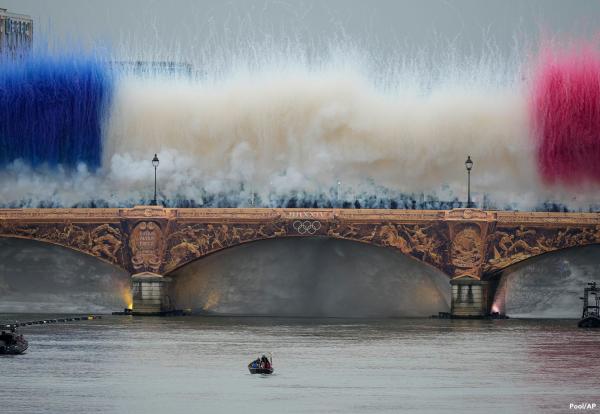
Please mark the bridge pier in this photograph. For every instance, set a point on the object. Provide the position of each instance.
(150, 293)
(469, 298)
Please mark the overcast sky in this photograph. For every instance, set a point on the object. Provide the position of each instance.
(384, 23)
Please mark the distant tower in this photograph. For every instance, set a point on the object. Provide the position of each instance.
(16, 34)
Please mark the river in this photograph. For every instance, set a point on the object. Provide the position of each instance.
(123, 364)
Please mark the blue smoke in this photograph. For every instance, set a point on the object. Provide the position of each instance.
(52, 110)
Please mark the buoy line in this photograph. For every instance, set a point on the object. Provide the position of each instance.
(50, 321)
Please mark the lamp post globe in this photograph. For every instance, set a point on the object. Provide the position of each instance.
(155, 162)
(469, 163)
(469, 166)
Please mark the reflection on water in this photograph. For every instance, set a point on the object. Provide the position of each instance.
(196, 364)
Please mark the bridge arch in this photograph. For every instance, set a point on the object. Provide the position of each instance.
(411, 257)
(327, 276)
(424, 243)
(508, 246)
(547, 284)
(37, 276)
(525, 260)
(98, 255)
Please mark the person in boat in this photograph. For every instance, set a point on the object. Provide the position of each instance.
(265, 362)
(256, 363)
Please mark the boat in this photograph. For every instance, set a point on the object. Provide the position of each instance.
(262, 365)
(11, 343)
(590, 317)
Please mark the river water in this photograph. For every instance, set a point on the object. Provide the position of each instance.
(122, 364)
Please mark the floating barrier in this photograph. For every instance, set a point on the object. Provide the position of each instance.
(49, 321)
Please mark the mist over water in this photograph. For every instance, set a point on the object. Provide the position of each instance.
(311, 277)
(39, 277)
(549, 286)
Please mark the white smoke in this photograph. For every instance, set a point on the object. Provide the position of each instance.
(331, 128)
(305, 133)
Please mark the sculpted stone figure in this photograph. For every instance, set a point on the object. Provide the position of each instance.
(106, 241)
(260, 233)
(597, 234)
(369, 237)
(466, 251)
(390, 237)
(182, 250)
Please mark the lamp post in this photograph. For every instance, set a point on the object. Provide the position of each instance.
(155, 165)
(469, 165)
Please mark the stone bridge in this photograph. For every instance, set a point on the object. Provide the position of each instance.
(468, 245)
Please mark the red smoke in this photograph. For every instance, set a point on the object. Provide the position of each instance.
(565, 109)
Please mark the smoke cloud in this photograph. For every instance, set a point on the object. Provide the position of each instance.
(285, 127)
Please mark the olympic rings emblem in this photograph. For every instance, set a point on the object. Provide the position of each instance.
(307, 226)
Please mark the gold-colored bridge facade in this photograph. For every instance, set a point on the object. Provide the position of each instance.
(461, 243)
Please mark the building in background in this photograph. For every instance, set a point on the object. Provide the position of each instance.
(16, 33)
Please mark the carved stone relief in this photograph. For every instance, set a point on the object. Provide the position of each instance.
(455, 241)
(466, 249)
(190, 241)
(104, 241)
(509, 245)
(423, 241)
(146, 244)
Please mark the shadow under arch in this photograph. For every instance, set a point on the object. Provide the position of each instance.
(545, 285)
(490, 276)
(413, 256)
(311, 276)
(99, 257)
(40, 276)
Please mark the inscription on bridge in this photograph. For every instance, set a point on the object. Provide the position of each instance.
(311, 215)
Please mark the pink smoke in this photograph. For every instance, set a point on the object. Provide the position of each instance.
(565, 111)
